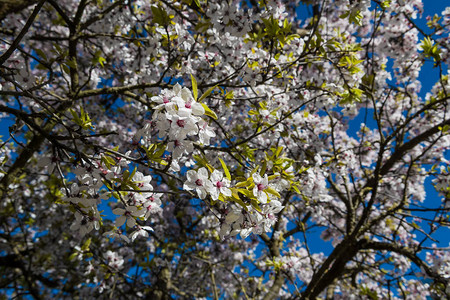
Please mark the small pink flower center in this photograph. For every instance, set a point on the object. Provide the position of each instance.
(166, 100)
(177, 143)
(199, 182)
(261, 187)
(219, 184)
(188, 105)
(181, 123)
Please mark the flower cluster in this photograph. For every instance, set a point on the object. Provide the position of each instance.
(177, 119)
(105, 178)
(237, 219)
(440, 260)
(204, 185)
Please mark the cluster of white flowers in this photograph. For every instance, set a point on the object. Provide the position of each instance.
(98, 182)
(176, 121)
(203, 185)
(440, 260)
(223, 15)
(177, 117)
(115, 260)
(442, 182)
(297, 262)
(235, 219)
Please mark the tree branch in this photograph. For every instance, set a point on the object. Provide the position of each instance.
(22, 33)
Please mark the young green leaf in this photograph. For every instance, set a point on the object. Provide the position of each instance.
(225, 169)
(209, 112)
(273, 192)
(207, 93)
(194, 87)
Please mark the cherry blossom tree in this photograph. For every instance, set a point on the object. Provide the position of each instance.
(213, 149)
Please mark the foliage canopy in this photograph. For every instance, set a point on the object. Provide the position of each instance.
(208, 149)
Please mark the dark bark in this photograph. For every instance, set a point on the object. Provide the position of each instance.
(14, 6)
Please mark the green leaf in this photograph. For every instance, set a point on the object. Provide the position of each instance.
(279, 149)
(354, 16)
(65, 69)
(101, 60)
(86, 244)
(273, 177)
(255, 205)
(159, 152)
(86, 122)
(126, 175)
(58, 48)
(385, 4)
(201, 160)
(225, 169)
(242, 184)
(263, 168)
(133, 173)
(73, 256)
(71, 63)
(430, 50)
(296, 189)
(160, 16)
(109, 161)
(247, 193)
(209, 112)
(41, 53)
(235, 197)
(372, 294)
(75, 117)
(414, 224)
(194, 87)
(207, 93)
(344, 15)
(426, 44)
(273, 192)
